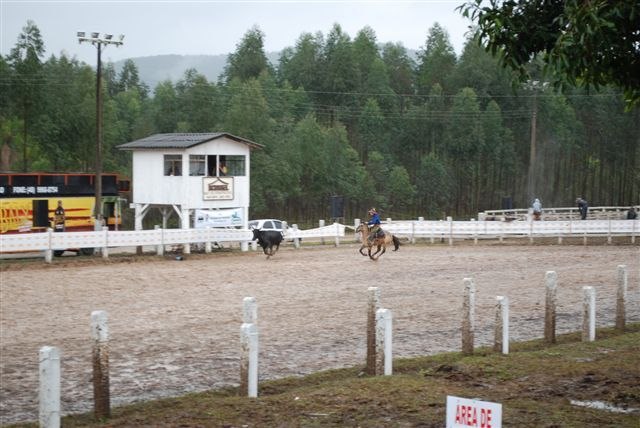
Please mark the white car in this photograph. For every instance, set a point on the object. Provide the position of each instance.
(268, 224)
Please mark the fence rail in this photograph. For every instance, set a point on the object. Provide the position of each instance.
(497, 229)
(560, 213)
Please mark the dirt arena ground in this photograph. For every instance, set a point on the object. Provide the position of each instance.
(174, 325)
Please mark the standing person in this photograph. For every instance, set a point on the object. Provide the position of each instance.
(537, 209)
(374, 225)
(632, 214)
(59, 218)
(583, 207)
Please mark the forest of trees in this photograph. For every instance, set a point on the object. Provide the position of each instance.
(435, 135)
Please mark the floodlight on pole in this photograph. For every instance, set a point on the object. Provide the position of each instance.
(99, 42)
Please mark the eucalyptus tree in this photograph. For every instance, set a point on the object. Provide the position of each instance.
(200, 107)
(66, 130)
(606, 154)
(26, 88)
(400, 71)
(378, 168)
(129, 79)
(434, 187)
(339, 80)
(400, 192)
(464, 141)
(249, 60)
(436, 61)
(164, 106)
(247, 114)
(479, 70)
(365, 54)
(6, 76)
(301, 65)
(347, 175)
(497, 171)
(370, 131)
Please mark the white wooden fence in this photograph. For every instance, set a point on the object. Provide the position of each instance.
(427, 229)
(49, 241)
(504, 229)
(560, 213)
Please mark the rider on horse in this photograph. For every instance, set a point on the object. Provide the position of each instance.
(375, 231)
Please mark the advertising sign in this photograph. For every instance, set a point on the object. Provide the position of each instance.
(217, 188)
(218, 218)
(464, 412)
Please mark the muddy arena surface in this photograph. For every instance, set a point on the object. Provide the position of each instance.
(174, 326)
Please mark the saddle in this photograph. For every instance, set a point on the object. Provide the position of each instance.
(378, 234)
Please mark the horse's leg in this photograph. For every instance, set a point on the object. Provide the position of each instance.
(362, 248)
(377, 250)
(370, 255)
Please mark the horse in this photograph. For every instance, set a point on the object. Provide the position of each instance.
(379, 243)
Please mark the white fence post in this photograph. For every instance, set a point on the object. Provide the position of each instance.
(337, 241)
(373, 304)
(356, 223)
(249, 360)
(501, 343)
(621, 298)
(450, 220)
(48, 253)
(249, 310)
(160, 248)
(589, 314)
(468, 316)
(321, 224)
(49, 392)
(384, 342)
(296, 241)
(475, 231)
(551, 285)
(207, 243)
(105, 248)
(100, 336)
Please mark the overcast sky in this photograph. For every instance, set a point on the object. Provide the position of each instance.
(212, 27)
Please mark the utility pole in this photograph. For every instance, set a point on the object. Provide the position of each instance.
(98, 41)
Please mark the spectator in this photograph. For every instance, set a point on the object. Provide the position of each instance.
(632, 214)
(583, 207)
(537, 209)
(59, 218)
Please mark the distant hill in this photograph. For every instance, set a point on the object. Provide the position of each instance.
(155, 69)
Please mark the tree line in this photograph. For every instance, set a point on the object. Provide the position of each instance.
(430, 135)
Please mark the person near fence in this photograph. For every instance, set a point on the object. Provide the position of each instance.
(537, 209)
(59, 218)
(632, 214)
(583, 207)
(375, 231)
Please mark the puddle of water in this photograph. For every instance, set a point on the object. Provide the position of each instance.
(601, 405)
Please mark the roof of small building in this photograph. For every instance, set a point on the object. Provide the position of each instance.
(182, 141)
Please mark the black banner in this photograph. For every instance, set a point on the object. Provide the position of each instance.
(53, 191)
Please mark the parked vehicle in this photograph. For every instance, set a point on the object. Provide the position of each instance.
(268, 224)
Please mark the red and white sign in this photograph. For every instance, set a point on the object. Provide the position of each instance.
(463, 412)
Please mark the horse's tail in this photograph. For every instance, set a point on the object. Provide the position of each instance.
(396, 242)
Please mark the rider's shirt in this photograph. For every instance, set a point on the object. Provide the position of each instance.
(375, 219)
